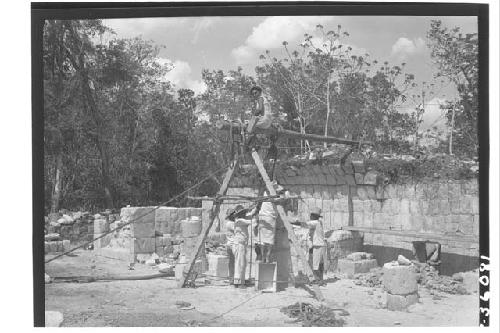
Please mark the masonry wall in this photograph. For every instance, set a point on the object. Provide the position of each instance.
(448, 210)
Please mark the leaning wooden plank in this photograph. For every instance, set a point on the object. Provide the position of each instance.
(206, 228)
(288, 226)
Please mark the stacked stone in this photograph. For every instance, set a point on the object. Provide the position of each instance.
(341, 243)
(400, 282)
(356, 262)
(164, 245)
(57, 246)
(101, 227)
(190, 230)
(168, 219)
(142, 229)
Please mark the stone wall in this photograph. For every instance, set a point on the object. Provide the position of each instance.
(391, 216)
(153, 231)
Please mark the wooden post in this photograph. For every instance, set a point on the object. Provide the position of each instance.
(288, 226)
(206, 228)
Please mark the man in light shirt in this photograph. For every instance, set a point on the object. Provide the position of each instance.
(319, 254)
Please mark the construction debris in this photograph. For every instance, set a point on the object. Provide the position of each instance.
(311, 316)
(371, 279)
(430, 278)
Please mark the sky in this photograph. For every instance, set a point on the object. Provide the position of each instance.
(196, 43)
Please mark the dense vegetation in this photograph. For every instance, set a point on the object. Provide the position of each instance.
(117, 132)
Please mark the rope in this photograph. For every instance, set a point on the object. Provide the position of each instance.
(130, 222)
(234, 307)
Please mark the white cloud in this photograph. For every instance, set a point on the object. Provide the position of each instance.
(405, 47)
(433, 115)
(180, 76)
(273, 31)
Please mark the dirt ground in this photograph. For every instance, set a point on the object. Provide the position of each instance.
(152, 302)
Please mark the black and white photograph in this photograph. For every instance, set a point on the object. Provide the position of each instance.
(280, 167)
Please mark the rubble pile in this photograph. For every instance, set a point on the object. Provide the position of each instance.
(76, 227)
(429, 277)
(371, 279)
(311, 316)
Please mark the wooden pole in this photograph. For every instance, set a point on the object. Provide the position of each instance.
(206, 228)
(227, 126)
(291, 235)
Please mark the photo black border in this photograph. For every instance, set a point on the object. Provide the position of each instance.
(85, 10)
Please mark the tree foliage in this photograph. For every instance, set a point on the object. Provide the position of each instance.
(456, 56)
(117, 132)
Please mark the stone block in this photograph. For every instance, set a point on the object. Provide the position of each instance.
(350, 267)
(455, 205)
(361, 193)
(358, 219)
(218, 266)
(143, 230)
(406, 221)
(475, 205)
(466, 224)
(391, 191)
(144, 245)
(399, 280)
(357, 205)
(358, 178)
(368, 220)
(475, 225)
(101, 226)
(404, 206)
(53, 318)
(466, 204)
(370, 178)
(400, 302)
(102, 242)
(415, 207)
(66, 246)
(163, 219)
(378, 220)
(349, 178)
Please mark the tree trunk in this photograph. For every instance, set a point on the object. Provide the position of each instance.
(56, 192)
(77, 59)
(327, 108)
(450, 144)
(106, 179)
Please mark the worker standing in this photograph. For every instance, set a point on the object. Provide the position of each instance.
(241, 224)
(230, 242)
(266, 228)
(319, 254)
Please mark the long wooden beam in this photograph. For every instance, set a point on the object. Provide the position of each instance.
(291, 234)
(200, 243)
(227, 126)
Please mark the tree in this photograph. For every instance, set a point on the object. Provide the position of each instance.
(456, 56)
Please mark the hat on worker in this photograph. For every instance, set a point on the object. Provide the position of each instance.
(316, 211)
(229, 212)
(259, 89)
(239, 210)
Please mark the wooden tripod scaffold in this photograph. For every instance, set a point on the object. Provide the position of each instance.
(214, 213)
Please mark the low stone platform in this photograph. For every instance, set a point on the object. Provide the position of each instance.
(350, 267)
